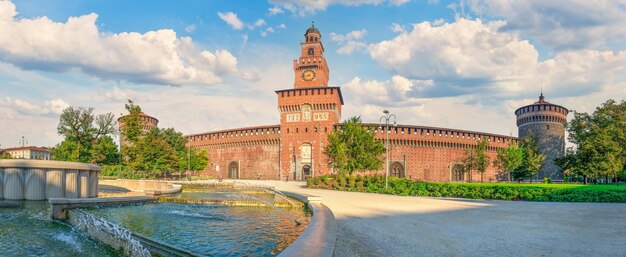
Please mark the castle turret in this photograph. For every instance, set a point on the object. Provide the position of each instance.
(547, 122)
(147, 123)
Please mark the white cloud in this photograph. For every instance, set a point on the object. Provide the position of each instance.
(155, 57)
(352, 35)
(275, 10)
(470, 56)
(191, 28)
(349, 42)
(350, 46)
(118, 94)
(398, 91)
(306, 6)
(270, 30)
(282, 26)
(259, 23)
(395, 27)
(561, 24)
(53, 106)
(264, 33)
(231, 19)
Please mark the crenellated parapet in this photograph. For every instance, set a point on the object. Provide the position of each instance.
(423, 136)
(541, 112)
(260, 135)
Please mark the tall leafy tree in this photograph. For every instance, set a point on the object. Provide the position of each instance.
(482, 159)
(533, 159)
(83, 131)
(197, 159)
(600, 140)
(156, 156)
(105, 152)
(130, 134)
(476, 159)
(354, 148)
(509, 159)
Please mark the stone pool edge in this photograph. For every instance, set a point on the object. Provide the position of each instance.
(319, 238)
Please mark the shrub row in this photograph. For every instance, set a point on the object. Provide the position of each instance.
(405, 187)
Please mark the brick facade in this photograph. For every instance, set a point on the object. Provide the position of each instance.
(309, 111)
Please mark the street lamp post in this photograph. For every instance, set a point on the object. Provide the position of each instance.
(23, 142)
(189, 162)
(387, 117)
(319, 146)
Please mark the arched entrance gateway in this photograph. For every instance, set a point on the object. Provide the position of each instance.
(233, 170)
(457, 172)
(397, 170)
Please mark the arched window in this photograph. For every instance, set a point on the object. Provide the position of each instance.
(233, 170)
(311, 51)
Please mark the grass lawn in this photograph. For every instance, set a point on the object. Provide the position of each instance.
(621, 187)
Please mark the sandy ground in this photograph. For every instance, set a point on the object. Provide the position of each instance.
(385, 225)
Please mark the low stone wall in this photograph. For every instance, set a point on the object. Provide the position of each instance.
(319, 238)
(60, 206)
(41, 180)
(139, 185)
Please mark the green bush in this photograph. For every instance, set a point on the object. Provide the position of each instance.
(405, 187)
(547, 180)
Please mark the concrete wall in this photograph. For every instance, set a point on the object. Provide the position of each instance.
(138, 185)
(41, 180)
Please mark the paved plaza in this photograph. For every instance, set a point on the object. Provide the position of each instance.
(386, 225)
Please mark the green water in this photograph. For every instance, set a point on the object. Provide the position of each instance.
(211, 230)
(27, 231)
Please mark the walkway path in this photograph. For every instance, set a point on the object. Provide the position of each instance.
(385, 225)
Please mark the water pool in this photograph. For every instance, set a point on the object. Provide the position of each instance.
(28, 231)
(212, 230)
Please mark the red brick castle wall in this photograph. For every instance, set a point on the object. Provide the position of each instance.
(311, 110)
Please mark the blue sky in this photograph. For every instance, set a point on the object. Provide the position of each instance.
(206, 65)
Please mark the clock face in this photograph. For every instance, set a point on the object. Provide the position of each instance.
(308, 75)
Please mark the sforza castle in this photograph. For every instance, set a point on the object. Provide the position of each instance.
(310, 110)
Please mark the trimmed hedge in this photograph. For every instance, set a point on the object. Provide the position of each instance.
(405, 187)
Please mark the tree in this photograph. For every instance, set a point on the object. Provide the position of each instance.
(509, 159)
(469, 162)
(130, 133)
(105, 152)
(532, 161)
(353, 148)
(156, 156)
(5, 155)
(198, 160)
(600, 140)
(476, 159)
(482, 159)
(83, 131)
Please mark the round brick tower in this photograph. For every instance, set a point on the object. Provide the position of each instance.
(147, 123)
(547, 122)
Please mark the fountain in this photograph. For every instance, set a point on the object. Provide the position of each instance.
(222, 220)
(40, 180)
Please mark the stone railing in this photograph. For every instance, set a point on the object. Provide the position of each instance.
(41, 180)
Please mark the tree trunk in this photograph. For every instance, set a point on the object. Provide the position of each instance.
(481, 177)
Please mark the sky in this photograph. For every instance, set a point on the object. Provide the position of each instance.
(203, 65)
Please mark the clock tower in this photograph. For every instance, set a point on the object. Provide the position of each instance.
(311, 69)
(308, 113)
